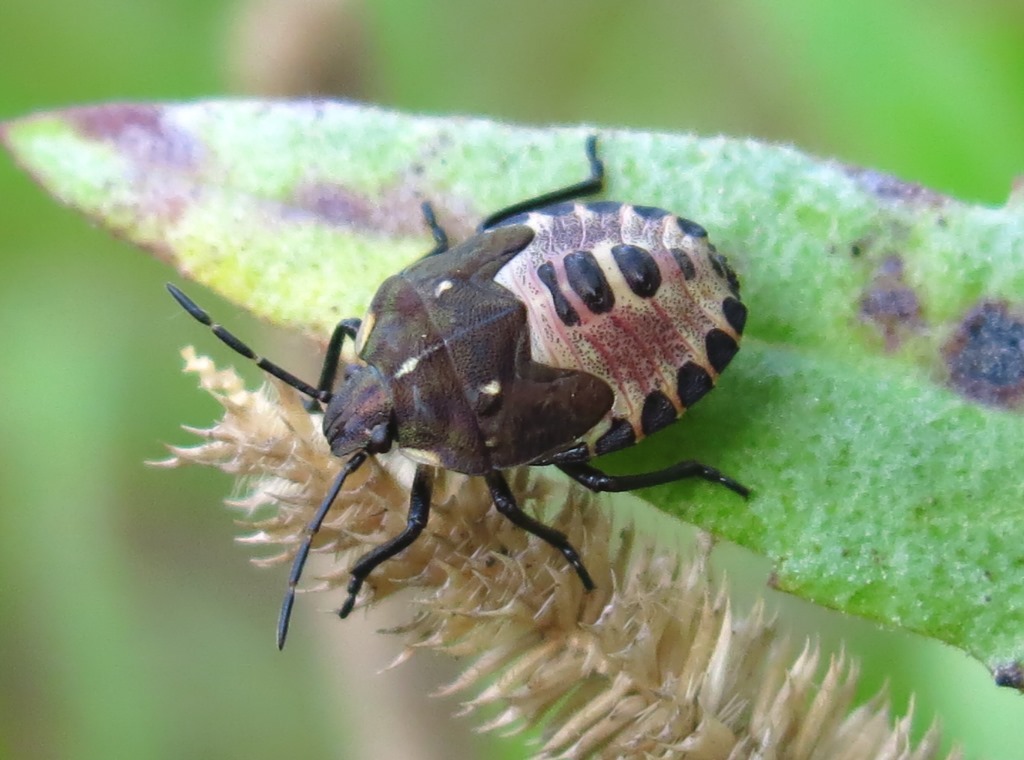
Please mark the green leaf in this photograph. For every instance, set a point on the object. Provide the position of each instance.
(874, 408)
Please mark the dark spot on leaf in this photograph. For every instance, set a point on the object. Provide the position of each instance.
(396, 210)
(334, 204)
(889, 188)
(140, 132)
(985, 356)
(1009, 674)
(890, 304)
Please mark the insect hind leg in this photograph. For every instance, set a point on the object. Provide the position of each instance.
(596, 480)
(590, 186)
(237, 345)
(507, 506)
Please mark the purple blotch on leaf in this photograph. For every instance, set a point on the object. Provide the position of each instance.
(141, 132)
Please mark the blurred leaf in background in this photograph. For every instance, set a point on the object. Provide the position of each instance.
(133, 626)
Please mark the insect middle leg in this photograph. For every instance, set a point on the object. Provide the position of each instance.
(596, 480)
(593, 184)
(419, 511)
(506, 505)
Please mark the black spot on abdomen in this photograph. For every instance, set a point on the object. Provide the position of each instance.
(565, 208)
(657, 412)
(723, 270)
(685, 263)
(694, 382)
(603, 207)
(588, 281)
(650, 213)
(563, 309)
(735, 314)
(639, 269)
(691, 228)
(619, 436)
(721, 348)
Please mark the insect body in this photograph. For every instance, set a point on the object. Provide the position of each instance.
(559, 332)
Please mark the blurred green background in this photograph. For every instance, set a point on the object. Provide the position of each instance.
(132, 626)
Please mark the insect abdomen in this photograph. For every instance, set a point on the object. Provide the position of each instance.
(635, 296)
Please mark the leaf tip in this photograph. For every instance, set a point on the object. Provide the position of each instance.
(142, 133)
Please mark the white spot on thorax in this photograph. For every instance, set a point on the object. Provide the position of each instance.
(407, 366)
(442, 287)
(492, 388)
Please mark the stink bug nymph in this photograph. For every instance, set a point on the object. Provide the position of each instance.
(560, 331)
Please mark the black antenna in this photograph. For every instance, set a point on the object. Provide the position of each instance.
(307, 541)
(323, 396)
(237, 345)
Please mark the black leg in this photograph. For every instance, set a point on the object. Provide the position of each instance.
(506, 504)
(595, 480)
(440, 236)
(312, 527)
(589, 186)
(419, 511)
(237, 345)
(346, 328)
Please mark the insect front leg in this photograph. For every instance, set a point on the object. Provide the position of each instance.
(596, 480)
(506, 505)
(346, 328)
(419, 511)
